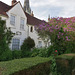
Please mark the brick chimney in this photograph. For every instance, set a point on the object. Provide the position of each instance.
(32, 14)
(13, 2)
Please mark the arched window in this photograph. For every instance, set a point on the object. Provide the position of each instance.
(31, 29)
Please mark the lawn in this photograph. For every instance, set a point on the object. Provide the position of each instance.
(9, 67)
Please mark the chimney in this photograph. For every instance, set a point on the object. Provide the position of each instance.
(32, 14)
(13, 2)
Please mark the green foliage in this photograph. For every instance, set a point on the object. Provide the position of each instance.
(70, 47)
(65, 64)
(6, 55)
(43, 52)
(9, 35)
(10, 67)
(16, 54)
(5, 37)
(35, 52)
(26, 54)
(28, 44)
(3, 44)
(53, 65)
(61, 32)
(50, 50)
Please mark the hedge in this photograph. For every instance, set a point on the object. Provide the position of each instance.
(26, 66)
(66, 64)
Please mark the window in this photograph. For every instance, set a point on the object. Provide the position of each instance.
(12, 20)
(15, 44)
(22, 23)
(31, 29)
(39, 44)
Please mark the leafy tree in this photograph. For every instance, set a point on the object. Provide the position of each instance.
(28, 44)
(5, 36)
(61, 32)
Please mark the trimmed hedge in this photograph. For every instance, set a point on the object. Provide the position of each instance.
(65, 64)
(26, 66)
(40, 69)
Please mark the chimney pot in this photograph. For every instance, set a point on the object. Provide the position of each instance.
(13, 2)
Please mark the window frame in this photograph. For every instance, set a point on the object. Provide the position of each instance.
(22, 22)
(40, 44)
(15, 44)
(12, 19)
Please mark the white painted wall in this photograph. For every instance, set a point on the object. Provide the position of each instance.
(19, 13)
(35, 36)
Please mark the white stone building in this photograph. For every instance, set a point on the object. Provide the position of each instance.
(21, 23)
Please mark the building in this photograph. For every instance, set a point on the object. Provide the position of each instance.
(22, 22)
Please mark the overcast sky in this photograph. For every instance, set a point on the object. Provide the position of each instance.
(56, 8)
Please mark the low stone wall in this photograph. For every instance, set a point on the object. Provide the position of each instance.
(66, 64)
(40, 69)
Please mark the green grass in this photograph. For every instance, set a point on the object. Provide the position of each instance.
(9, 67)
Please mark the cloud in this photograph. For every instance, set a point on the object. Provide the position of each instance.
(42, 8)
(61, 8)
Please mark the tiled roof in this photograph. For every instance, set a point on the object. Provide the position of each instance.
(30, 19)
(4, 8)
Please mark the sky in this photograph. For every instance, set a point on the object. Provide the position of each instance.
(55, 8)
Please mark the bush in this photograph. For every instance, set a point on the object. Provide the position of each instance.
(26, 66)
(65, 64)
(43, 52)
(6, 55)
(16, 54)
(5, 37)
(35, 52)
(28, 44)
(70, 47)
(26, 54)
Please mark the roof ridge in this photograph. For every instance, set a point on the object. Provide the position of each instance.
(33, 16)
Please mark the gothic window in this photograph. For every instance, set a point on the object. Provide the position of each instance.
(22, 23)
(12, 20)
(31, 29)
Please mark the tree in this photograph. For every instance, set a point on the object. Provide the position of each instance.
(28, 44)
(5, 36)
(59, 31)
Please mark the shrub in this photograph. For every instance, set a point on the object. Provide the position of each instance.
(26, 66)
(26, 54)
(6, 55)
(28, 44)
(65, 64)
(43, 52)
(70, 47)
(16, 54)
(5, 37)
(50, 50)
(35, 52)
